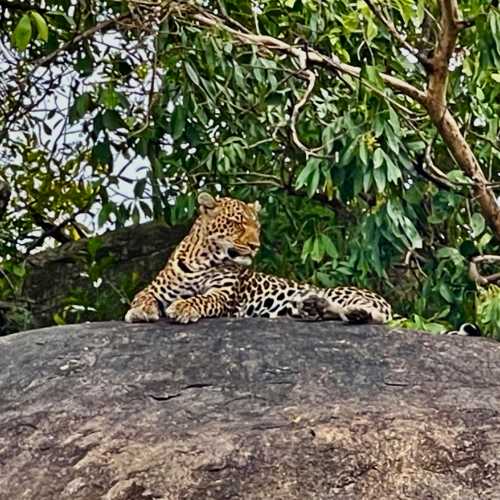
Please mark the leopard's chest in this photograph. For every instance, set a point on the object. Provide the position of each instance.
(200, 282)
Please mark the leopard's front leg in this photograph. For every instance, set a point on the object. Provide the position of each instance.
(214, 303)
(144, 308)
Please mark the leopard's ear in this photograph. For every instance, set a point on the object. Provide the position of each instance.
(206, 202)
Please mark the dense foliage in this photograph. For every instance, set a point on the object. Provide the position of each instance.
(119, 112)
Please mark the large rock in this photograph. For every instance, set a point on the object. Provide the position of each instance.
(248, 409)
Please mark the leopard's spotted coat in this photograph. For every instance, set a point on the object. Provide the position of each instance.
(208, 275)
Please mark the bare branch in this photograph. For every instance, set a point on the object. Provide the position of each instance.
(434, 174)
(296, 111)
(476, 276)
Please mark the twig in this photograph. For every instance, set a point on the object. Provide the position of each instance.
(99, 27)
(491, 142)
(150, 99)
(436, 174)
(6, 276)
(50, 232)
(476, 276)
(311, 77)
(426, 63)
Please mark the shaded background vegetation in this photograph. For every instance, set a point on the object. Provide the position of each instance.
(117, 113)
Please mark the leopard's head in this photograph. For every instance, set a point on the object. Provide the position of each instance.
(231, 227)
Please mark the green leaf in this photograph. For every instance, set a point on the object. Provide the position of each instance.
(478, 224)
(178, 121)
(317, 251)
(348, 153)
(363, 152)
(58, 320)
(139, 188)
(367, 181)
(22, 34)
(93, 245)
(313, 183)
(378, 158)
(394, 121)
(393, 172)
(109, 98)
(372, 75)
(85, 64)
(112, 120)
(411, 232)
(82, 103)
(193, 75)
(101, 153)
(444, 291)
(380, 180)
(306, 249)
(104, 214)
(418, 17)
(329, 246)
(311, 165)
(41, 26)
(19, 270)
(371, 30)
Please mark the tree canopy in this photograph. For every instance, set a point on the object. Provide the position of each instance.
(368, 130)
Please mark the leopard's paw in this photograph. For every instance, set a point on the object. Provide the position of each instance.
(355, 314)
(143, 311)
(314, 308)
(182, 311)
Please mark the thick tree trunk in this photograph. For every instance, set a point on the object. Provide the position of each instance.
(248, 409)
(466, 160)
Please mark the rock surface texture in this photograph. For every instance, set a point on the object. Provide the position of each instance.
(247, 409)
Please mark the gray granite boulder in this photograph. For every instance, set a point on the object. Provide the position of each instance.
(247, 409)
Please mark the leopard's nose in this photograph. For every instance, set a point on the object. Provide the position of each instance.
(254, 246)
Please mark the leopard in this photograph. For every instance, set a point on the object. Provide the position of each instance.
(209, 274)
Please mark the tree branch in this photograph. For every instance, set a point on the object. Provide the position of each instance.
(53, 230)
(433, 99)
(296, 111)
(99, 27)
(476, 276)
(438, 81)
(441, 181)
(271, 44)
(426, 63)
(436, 104)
